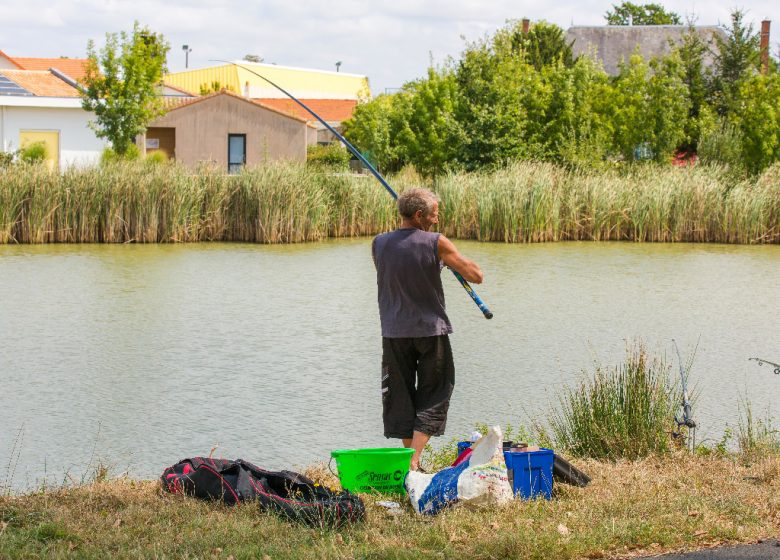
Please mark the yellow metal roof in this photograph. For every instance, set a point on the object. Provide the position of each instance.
(301, 82)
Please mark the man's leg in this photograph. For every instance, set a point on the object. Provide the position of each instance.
(417, 442)
(435, 382)
(399, 362)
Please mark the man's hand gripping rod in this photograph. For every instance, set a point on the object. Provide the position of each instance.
(466, 286)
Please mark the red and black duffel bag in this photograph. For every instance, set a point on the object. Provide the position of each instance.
(287, 493)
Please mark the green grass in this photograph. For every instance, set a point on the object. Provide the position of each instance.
(677, 502)
(286, 203)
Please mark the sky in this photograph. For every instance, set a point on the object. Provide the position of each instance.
(391, 42)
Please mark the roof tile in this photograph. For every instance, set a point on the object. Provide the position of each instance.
(331, 110)
(41, 83)
(75, 68)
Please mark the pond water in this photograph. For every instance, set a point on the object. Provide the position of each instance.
(138, 356)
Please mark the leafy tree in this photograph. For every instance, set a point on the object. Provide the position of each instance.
(430, 132)
(121, 85)
(641, 14)
(650, 109)
(544, 44)
(253, 58)
(493, 81)
(690, 54)
(373, 129)
(737, 58)
(758, 117)
(576, 128)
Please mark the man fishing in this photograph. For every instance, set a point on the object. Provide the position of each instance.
(418, 373)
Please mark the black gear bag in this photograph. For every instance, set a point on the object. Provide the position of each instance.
(287, 493)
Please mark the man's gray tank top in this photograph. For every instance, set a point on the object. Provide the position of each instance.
(408, 277)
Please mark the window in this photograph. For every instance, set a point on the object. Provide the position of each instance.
(236, 152)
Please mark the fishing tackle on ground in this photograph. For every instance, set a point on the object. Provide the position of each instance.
(687, 412)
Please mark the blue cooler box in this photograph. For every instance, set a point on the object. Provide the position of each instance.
(530, 472)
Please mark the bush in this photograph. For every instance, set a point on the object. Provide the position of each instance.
(625, 411)
(721, 144)
(332, 156)
(156, 158)
(110, 156)
(34, 153)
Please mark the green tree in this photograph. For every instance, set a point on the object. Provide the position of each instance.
(737, 58)
(495, 85)
(122, 83)
(757, 114)
(430, 132)
(373, 129)
(690, 53)
(544, 44)
(641, 14)
(576, 125)
(650, 108)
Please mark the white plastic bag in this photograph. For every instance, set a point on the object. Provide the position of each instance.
(479, 481)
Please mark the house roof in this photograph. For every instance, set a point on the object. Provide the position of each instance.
(331, 110)
(9, 59)
(75, 68)
(615, 43)
(179, 103)
(40, 83)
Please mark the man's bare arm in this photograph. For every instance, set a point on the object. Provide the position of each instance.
(453, 259)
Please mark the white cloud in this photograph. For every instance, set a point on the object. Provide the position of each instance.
(389, 41)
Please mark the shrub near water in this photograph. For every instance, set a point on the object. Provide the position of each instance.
(622, 412)
(285, 203)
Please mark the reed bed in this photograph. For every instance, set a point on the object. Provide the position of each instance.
(287, 203)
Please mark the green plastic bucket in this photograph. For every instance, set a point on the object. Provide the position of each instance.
(380, 469)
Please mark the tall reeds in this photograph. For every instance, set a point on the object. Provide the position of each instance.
(625, 411)
(285, 203)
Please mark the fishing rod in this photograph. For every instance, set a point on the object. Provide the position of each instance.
(687, 414)
(463, 282)
(762, 361)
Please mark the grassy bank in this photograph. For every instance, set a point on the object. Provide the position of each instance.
(676, 502)
(285, 203)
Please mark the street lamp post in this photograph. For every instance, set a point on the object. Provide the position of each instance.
(187, 50)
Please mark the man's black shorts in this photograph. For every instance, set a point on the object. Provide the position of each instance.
(418, 376)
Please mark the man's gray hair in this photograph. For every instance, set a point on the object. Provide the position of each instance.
(416, 199)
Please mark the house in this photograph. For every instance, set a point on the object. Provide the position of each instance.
(44, 106)
(613, 44)
(332, 95)
(228, 130)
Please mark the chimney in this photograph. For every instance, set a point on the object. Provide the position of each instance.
(526, 25)
(765, 46)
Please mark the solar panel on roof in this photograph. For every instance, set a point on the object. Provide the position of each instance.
(7, 87)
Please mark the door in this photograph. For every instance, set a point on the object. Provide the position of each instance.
(236, 152)
(49, 138)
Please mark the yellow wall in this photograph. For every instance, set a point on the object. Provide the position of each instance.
(302, 83)
(51, 138)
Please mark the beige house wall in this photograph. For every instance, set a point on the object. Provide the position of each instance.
(202, 130)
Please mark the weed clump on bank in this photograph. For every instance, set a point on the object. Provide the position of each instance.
(621, 412)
